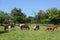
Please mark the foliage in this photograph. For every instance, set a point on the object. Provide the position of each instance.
(4, 17)
(50, 16)
(18, 16)
(54, 15)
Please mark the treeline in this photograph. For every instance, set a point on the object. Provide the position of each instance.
(16, 15)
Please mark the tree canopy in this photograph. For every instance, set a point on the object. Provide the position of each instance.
(51, 15)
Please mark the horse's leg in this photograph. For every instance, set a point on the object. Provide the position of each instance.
(52, 29)
(9, 28)
(38, 28)
(21, 28)
(28, 28)
(4, 28)
(13, 26)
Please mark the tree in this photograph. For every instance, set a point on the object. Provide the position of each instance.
(4, 17)
(29, 19)
(40, 16)
(18, 16)
(54, 15)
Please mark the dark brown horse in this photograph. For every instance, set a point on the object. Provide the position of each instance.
(8, 26)
(36, 27)
(24, 26)
(51, 28)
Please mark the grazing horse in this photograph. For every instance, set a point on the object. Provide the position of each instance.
(36, 27)
(24, 26)
(8, 26)
(51, 28)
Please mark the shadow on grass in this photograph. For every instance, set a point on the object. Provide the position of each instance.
(1, 32)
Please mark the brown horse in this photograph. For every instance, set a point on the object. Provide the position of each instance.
(24, 26)
(51, 28)
(8, 26)
(36, 27)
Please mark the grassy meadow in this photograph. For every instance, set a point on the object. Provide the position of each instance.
(18, 34)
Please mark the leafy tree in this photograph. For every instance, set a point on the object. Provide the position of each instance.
(29, 19)
(4, 17)
(40, 16)
(54, 15)
(18, 16)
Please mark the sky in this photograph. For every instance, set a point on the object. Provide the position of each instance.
(29, 7)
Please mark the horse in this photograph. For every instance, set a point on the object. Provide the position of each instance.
(51, 28)
(24, 26)
(36, 27)
(8, 26)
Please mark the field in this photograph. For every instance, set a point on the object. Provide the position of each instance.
(41, 34)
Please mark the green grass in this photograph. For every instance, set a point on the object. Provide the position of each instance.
(41, 34)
